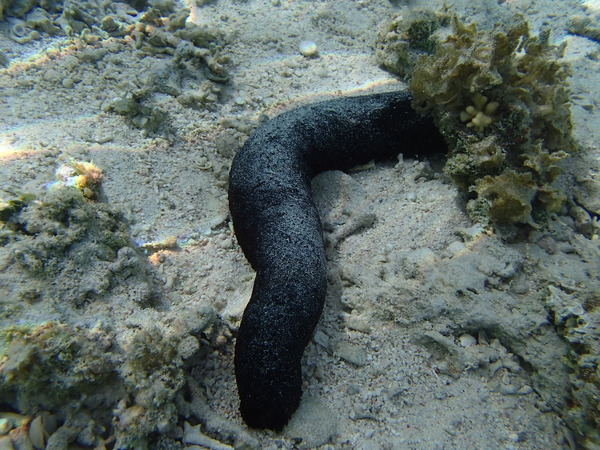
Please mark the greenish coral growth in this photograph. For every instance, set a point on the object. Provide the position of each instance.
(44, 366)
(501, 101)
(525, 132)
(401, 42)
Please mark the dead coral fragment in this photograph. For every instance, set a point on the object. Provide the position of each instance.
(88, 174)
(21, 34)
(169, 243)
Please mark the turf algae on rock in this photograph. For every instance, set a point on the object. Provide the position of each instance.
(55, 235)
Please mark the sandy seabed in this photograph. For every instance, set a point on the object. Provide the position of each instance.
(436, 332)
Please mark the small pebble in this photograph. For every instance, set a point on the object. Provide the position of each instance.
(221, 341)
(358, 323)
(352, 389)
(308, 48)
(519, 287)
(516, 437)
(548, 244)
(227, 244)
(351, 353)
(466, 340)
(322, 339)
(454, 248)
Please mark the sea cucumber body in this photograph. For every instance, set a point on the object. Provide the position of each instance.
(278, 228)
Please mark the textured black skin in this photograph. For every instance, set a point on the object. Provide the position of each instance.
(278, 227)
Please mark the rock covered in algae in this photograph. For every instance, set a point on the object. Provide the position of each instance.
(42, 366)
(501, 101)
(82, 247)
(403, 39)
(97, 381)
(70, 271)
(577, 317)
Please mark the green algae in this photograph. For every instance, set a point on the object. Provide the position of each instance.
(90, 377)
(45, 365)
(69, 257)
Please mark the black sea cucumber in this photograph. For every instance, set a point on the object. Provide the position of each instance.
(278, 228)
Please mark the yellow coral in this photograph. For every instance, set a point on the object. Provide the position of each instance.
(479, 115)
(85, 176)
(88, 174)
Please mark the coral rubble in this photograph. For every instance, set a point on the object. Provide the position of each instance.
(100, 385)
(65, 253)
(106, 32)
(69, 268)
(577, 316)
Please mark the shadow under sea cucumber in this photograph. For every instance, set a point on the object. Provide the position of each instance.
(278, 228)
